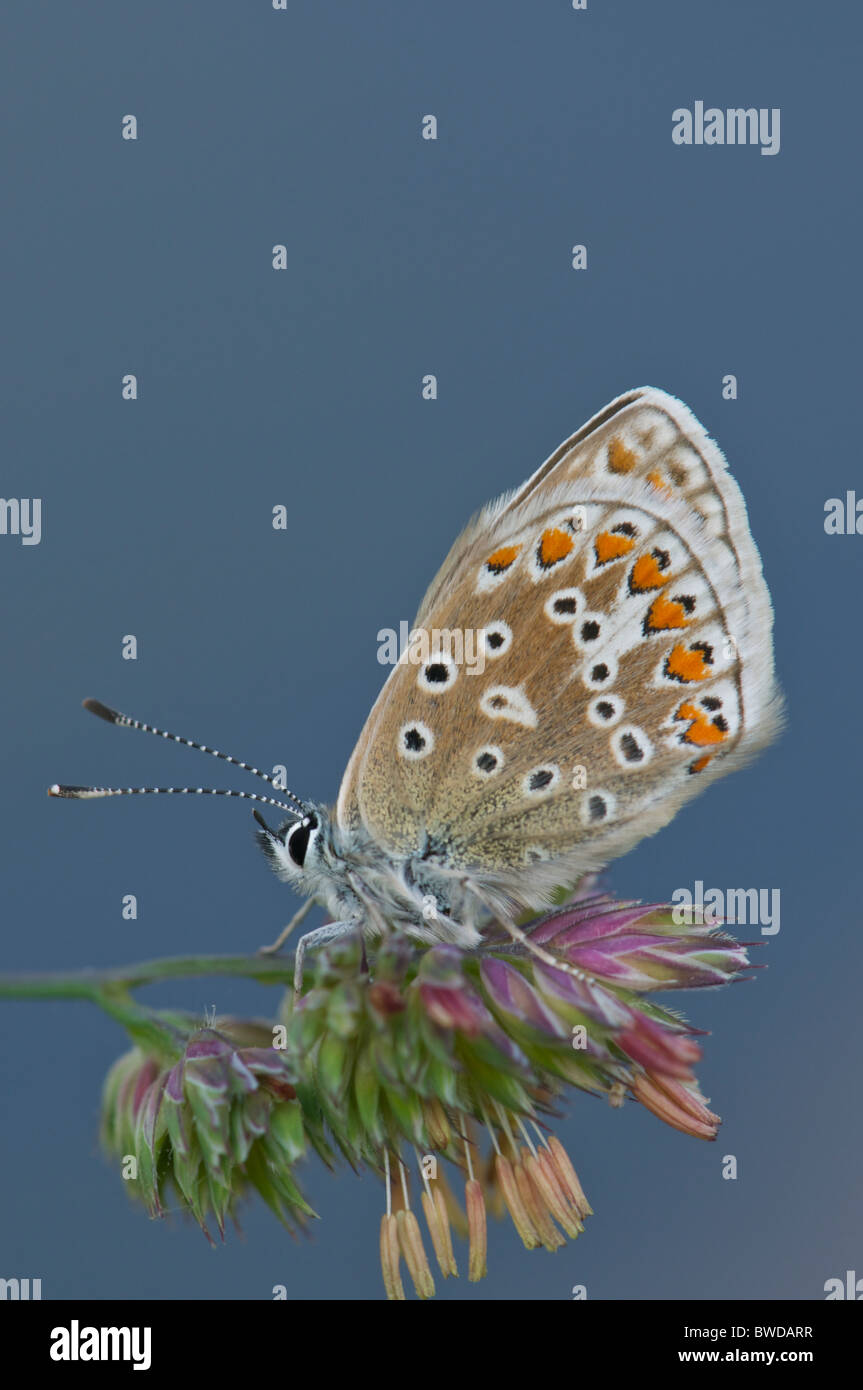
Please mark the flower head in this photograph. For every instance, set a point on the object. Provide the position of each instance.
(437, 1068)
(456, 1058)
(224, 1119)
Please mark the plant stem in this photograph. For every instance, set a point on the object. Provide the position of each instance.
(97, 985)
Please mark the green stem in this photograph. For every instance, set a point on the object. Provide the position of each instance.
(95, 984)
(157, 1033)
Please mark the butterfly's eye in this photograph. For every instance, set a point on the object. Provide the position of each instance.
(298, 839)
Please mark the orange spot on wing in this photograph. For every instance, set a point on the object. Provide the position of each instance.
(620, 459)
(687, 664)
(502, 559)
(554, 546)
(702, 731)
(665, 613)
(609, 547)
(646, 574)
(700, 763)
(656, 479)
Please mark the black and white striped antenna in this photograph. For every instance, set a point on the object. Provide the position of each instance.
(112, 716)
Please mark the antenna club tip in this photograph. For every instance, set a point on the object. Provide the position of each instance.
(75, 793)
(102, 711)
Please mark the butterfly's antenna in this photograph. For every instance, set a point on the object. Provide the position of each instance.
(112, 716)
(93, 793)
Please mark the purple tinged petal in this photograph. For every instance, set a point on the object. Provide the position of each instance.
(597, 927)
(600, 937)
(248, 1123)
(204, 1047)
(512, 993)
(242, 1078)
(443, 965)
(143, 1078)
(662, 1050)
(264, 1061)
(598, 1004)
(209, 1078)
(453, 1008)
(589, 921)
(447, 997)
(150, 1113)
(596, 962)
(174, 1083)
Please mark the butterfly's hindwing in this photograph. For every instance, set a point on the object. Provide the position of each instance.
(625, 662)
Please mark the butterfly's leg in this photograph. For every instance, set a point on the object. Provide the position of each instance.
(321, 936)
(283, 935)
(541, 953)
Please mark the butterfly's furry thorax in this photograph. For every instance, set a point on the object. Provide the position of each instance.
(357, 880)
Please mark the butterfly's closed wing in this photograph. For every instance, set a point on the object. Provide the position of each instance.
(627, 662)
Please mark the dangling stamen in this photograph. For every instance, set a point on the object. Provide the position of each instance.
(487, 1122)
(411, 1242)
(505, 1126)
(390, 1246)
(437, 1220)
(474, 1203)
(423, 1179)
(539, 1134)
(468, 1159)
(404, 1177)
(388, 1182)
(526, 1137)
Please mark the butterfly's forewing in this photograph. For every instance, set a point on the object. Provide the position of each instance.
(628, 661)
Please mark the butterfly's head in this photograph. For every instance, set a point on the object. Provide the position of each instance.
(300, 850)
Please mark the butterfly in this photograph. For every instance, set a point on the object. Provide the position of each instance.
(624, 627)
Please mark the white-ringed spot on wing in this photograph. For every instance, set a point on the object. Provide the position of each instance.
(631, 747)
(599, 673)
(597, 806)
(564, 606)
(415, 740)
(437, 674)
(488, 761)
(541, 781)
(508, 702)
(587, 630)
(536, 854)
(605, 711)
(498, 638)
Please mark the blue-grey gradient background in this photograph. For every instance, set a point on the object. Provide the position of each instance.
(303, 388)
